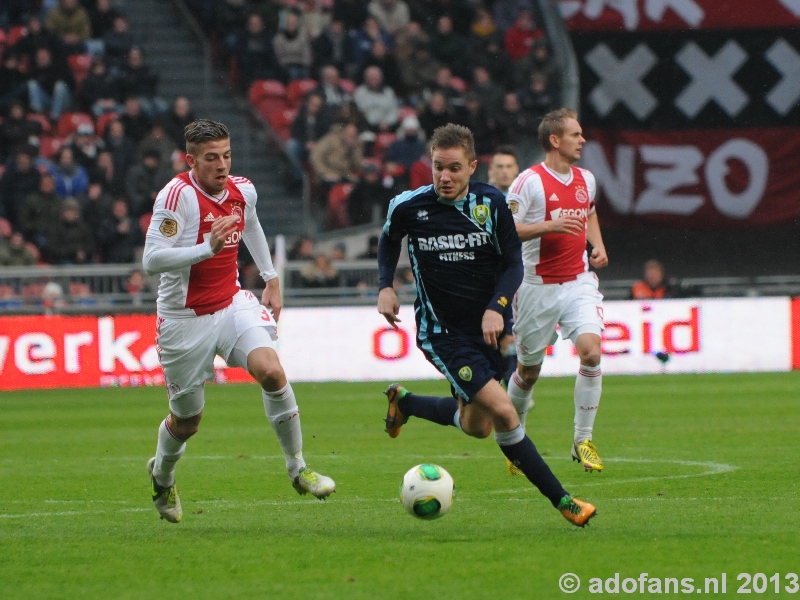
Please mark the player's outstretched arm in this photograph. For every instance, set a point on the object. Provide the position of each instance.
(388, 255)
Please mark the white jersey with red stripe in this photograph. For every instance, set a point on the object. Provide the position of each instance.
(182, 217)
(540, 194)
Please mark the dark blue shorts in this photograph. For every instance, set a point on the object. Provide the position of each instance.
(466, 361)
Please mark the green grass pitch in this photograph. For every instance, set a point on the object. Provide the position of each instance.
(700, 479)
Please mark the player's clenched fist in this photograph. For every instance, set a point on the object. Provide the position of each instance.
(220, 230)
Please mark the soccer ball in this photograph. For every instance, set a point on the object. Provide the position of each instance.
(427, 491)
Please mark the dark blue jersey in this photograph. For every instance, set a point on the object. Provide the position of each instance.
(466, 256)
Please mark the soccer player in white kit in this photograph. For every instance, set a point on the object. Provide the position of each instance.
(193, 240)
(553, 208)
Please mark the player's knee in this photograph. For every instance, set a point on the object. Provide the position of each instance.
(480, 431)
(529, 375)
(590, 356)
(505, 417)
(185, 428)
(268, 373)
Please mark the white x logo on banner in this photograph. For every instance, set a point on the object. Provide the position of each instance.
(711, 79)
(784, 96)
(621, 80)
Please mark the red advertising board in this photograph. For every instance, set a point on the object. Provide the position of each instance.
(653, 15)
(796, 333)
(87, 351)
(711, 177)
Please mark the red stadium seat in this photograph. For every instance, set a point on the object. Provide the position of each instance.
(42, 120)
(6, 291)
(348, 85)
(70, 121)
(281, 121)
(5, 228)
(79, 64)
(144, 222)
(268, 97)
(458, 84)
(48, 146)
(382, 142)
(103, 121)
(297, 89)
(337, 205)
(15, 34)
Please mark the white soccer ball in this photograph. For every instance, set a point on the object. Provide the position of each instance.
(427, 491)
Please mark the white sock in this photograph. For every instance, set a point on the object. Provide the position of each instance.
(588, 387)
(521, 396)
(168, 452)
(284, 416)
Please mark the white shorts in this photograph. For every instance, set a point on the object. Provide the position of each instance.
(575, 306)
(187, 347)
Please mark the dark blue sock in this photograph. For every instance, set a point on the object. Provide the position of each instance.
(431, 408)
(525, 456)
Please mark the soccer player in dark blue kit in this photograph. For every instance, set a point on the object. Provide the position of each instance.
(467, 264)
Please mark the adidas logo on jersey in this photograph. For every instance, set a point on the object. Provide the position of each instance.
(209, 218)
(553, 198)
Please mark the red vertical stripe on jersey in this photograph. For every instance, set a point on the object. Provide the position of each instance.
(521, 181)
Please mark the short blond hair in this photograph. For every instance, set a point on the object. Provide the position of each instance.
(553, 124)
(454, 136)
(201, 131)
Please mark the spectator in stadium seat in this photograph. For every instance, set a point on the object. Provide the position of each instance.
(538, 97)
(380, 57)
(449, 47)
(312, 122)
(436, 113)
(49, 85)
(505, 12)
(293, 48)
(117, 43)
(13, 86)
(85, 146)
(483, 32)
(516, 126)
(159, 141)
(40, 212)
(361, 41)
(302, 249)
(352, 13)
(337, 157)
(320, 273)
(119, 235)
(377, 101)
(421, 173)
(256, 54)
(71, 241)
(70, 22)
(407, 148)
(20, 179)
(177, 119)
(101, 16)
(538, 60)
(229, 18)
(71, 178)
(16, 253)
(137, 124)
(480, 122)
(138, 80)
(98, 205)
(487, 91)
(99, 92)
(392, 15)
(444, 84)
(520, 37)
(371, 194)
(123, 153)
(143, 182)
(654, 284)
(37, 36)
(16, 130)
(332, 47)
(330, 88)
(419, 71)
(371, 253)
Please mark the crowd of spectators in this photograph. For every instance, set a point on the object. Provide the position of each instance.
(86, 142)
(376, 77)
